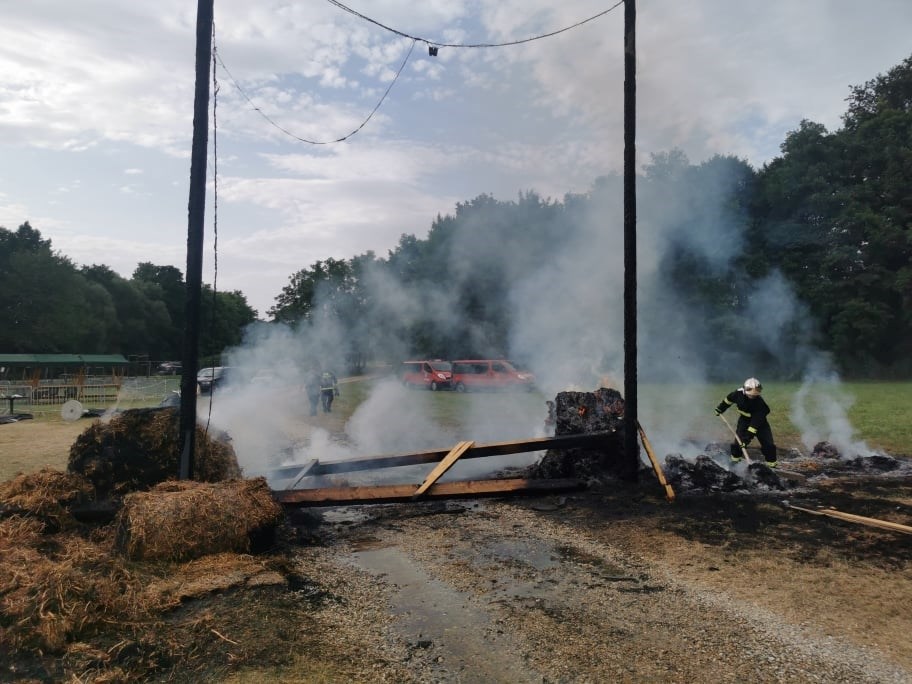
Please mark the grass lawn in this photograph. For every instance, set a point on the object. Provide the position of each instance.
(879, 412)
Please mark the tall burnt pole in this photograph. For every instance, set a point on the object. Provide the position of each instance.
(196, 215)
(631, 444)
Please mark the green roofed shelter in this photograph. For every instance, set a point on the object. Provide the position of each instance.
(42, 366)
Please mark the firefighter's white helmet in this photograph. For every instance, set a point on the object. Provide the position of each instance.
(752, 387)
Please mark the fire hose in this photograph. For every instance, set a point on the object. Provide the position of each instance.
(737, 438)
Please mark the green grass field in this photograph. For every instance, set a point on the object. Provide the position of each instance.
(880, 413)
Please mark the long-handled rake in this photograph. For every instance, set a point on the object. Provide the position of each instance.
(737, 439)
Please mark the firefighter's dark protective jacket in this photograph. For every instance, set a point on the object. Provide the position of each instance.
(328, 382)
(751, 410)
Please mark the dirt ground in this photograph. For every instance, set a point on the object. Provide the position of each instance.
(608, 584)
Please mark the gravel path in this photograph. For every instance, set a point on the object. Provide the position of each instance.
(500, 592)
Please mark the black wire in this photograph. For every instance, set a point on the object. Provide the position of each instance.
(318, 142)
(348, 9)
(414, 39)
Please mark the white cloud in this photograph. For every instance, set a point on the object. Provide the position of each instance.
(84, 83)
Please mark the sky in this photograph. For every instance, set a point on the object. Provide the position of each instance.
(96, 106)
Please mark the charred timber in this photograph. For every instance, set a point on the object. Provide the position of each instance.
(588, 441)
(402, 493)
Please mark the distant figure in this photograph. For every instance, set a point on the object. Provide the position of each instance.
(752, 420)
(312, 387)
(329, 390)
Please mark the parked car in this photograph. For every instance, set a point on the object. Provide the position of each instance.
(211, 377)
(489, 374)
(169, 368)
(432, 375)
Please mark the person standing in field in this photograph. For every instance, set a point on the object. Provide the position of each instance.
(312, 387)
(329, 389)
(752, 420)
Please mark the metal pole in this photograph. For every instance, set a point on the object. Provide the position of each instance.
(631, 422)
(195, 221)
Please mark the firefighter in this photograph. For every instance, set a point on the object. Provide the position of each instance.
(329, 389)
(312, 387)
(752, 420)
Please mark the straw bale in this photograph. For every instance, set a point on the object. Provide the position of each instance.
(140, 448)
(52, 587)
(46, 496)
(182, 520)
(580, 413)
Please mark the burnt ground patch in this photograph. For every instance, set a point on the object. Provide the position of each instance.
(745, 520)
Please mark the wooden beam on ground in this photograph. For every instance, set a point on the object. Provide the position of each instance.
(790, 475)
(851, 517)
(401, 493)
(669, 492)
(443, 466)
(590, 441)
(305, 471)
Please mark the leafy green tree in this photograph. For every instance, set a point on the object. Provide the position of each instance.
(48, 306)
(223, 318)
(838, 218)
(141, 324)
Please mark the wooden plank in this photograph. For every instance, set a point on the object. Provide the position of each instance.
(669, 492)
(332, 496)
(443, 466)
(851, 517)
(590, 441)
(305, 471)
(789, 475)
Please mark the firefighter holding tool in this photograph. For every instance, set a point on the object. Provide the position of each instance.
(752, 421)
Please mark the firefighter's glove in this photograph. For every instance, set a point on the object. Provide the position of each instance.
(718, 412)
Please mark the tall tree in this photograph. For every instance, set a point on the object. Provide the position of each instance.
(47, 305)
(838, 215)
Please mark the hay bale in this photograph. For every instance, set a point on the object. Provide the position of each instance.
(580, 413)
(140, 448)
(45, 496)
(183, 520)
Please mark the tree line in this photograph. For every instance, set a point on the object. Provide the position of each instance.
(830, 219)
(49, 305)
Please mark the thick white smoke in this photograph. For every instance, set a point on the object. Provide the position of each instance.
(566, 323)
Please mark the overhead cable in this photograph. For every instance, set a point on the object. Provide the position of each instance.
(434, 43)
(306, 140)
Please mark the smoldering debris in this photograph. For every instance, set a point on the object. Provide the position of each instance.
(140, 448)
(705, 474)
(829, 457)
(713, 472)
(579, 413)
(824, 450)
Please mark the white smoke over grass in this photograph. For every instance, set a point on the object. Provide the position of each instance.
(390, 420)
(820, 411)
(264, 409)
(566, 314)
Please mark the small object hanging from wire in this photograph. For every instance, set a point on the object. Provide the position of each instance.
(432, 50)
